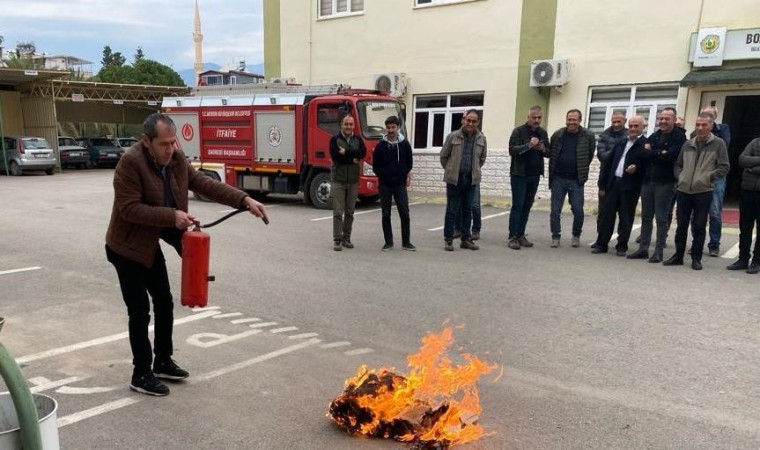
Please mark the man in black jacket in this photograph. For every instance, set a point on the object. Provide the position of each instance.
(346, 150)
(659, 187)
(392, 162)
(527, 146)
(749, 209)
(619, 185)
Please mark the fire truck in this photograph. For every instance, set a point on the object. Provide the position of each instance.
(274, 137)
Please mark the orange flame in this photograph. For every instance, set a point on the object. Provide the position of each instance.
(437, 402)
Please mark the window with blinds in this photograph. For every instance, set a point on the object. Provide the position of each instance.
(335, 7)
(645, 101)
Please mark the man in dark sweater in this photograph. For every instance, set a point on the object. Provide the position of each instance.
(527, 146)
(392, 162)
(572, 149)
(749, 209)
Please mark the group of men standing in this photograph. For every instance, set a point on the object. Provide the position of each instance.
(661, 170)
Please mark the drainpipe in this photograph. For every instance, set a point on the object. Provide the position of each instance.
(22, 399)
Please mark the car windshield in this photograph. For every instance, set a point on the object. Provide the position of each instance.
(35, 143)
(128, 142)
(103, 142)
(67, 142)
(372, 115)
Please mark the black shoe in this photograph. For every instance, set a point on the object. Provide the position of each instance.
(475, 235)
(147, 383)
(674, 260)
(409, 247)
(738, 265)
(713, 251)
(448, 246)
(594, 245)
(696, 264)
(621, 251)
(169, 370)
(387, 247)
(337, 247)
(598, 249)
(468, 244)
(639, 254)
(753, 268)
(347, 243)
(656, 257)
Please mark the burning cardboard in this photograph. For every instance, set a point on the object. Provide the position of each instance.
(434, 406)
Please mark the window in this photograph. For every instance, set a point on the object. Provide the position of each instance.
(644, 101)
(329, 8)
(437, 2)
(435, 116)
(213, 80)
(328, 118)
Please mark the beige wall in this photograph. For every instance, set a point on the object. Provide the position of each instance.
(13, 121)
(442, 49)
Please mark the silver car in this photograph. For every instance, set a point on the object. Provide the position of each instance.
(24, 153)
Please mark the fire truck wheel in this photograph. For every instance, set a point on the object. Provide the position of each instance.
(319, 191)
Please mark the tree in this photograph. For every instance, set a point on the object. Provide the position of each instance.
(139, 55)
(142, 71)
(112, 59)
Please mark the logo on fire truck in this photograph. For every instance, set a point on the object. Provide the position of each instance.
(187, 132)
(275, 136)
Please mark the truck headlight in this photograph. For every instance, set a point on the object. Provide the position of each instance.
(367, 170)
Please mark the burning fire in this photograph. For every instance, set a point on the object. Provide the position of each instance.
(435, 406)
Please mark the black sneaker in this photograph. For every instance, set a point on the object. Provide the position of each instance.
(169, 370)
(409, 247)
(146, 383)
(387, 247)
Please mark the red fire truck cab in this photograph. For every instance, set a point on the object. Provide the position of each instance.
(275, 139)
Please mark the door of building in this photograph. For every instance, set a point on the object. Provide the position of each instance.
(740, 110)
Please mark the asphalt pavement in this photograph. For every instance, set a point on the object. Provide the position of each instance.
(598, 352)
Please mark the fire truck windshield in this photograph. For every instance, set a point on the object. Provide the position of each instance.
(372, 115)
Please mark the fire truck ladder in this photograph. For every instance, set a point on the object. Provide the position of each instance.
(271, 88)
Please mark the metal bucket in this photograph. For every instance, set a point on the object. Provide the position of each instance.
(10, 433)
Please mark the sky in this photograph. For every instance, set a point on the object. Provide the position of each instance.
(232, 29)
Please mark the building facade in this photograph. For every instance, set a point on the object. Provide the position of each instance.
(442, 57)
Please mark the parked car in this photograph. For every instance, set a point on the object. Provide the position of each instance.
(103, 152)
(72, 154)
(125, 142)
(24, 153)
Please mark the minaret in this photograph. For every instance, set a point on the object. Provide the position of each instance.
(198, 39)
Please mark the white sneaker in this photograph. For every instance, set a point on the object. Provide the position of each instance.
(575, 241)
(555, 243)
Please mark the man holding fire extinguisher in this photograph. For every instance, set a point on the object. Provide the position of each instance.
(151, 183)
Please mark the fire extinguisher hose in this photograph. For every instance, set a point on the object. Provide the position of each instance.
(223, 218)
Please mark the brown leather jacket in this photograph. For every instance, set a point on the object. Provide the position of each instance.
(139, 217)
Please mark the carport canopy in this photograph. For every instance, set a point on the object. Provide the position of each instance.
(744, 75)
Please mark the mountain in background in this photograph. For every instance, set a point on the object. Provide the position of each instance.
(188, 75)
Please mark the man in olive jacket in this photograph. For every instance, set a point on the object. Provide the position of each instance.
(346, 151)
(703, 160)
(150, 183)
(462, 155)
(749, 209)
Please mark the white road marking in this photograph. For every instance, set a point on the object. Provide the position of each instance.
(96, 411)
(228, 315)
(263, 324)
(303, 335)
(252, 361)
(43, 384)
(359, 351)
(103, 340)
(206, 340)
(362, 212)
(505, 213)
(283, 329)
(83, 390)
(24, 269)
(733, 252)
(250, 319)
(335, 344)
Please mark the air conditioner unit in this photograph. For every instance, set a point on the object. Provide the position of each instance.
(549, 72)
(392, 83)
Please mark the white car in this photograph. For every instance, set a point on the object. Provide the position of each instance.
(125, 142)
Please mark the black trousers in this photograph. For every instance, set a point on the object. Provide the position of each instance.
(399, 194)
(620, 203)
(692, 209)
(137, 281)
(749, 218)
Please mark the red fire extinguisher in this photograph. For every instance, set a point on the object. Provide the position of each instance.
(196, 249)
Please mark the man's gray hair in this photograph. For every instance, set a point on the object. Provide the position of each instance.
(707, 116)
(150, 123)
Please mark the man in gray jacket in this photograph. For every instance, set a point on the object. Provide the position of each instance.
(462, 156)
(749, 208)
(703, 160)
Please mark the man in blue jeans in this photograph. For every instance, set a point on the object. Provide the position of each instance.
(527, 146)
(462, 155)
(722, 131)
(570, 155)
